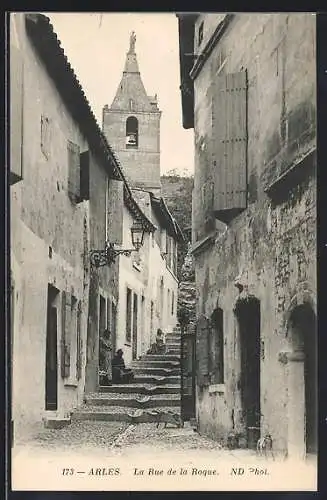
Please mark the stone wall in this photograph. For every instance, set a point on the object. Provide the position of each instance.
(270, 247)
(49, 237)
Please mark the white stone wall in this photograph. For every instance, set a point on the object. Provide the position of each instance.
(42, 216)
(143, 279)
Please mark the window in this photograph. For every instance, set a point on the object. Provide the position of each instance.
(132, 132)
(151, 317)
(66, 306)
(216, 348)
(74, 181)
(85, 175)
(229, 153)
(202, 351)
(135, 326)
(71, 344)
(200, 33)
(172, 302)
(79, 345)
(128, 315)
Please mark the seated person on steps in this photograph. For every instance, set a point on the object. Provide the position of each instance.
(159, 346)
(120, 374)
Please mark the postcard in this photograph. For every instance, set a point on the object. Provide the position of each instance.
(163, 294)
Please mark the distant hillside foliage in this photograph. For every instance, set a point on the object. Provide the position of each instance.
(177, 193)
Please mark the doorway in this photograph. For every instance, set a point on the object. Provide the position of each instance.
(303, 392)
(248, 315)
(113, 326)
(188, 374)
(143, 336)
(51, 363)
(134, 340)
(102, 327)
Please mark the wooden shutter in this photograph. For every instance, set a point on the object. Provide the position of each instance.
(79, 342)
(115, 211)
(16, 114)
(217, 347)
(85, 175)
(74, 191)
(202, 350)
(66, 311)
(229, 144)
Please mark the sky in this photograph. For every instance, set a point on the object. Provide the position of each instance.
(96, 45)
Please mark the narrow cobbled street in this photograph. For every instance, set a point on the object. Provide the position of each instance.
(118, 438)
(117, 455)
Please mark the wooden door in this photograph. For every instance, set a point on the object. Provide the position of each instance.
(188, 376)
(51, 378)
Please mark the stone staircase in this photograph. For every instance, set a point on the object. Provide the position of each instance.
(154, 395)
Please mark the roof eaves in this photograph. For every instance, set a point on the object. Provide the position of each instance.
(186, 50)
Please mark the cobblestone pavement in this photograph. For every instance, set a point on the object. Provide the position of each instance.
(120, 438)
(77, 435)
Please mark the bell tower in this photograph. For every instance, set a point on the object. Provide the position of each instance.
(132, 126)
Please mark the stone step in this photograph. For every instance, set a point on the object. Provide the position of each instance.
(173, 334)
(141, 388)
(160, 357)
(157, 380)
(154, 364)
(121, 414)
(133, 400)
(176, 351)
(150, 370)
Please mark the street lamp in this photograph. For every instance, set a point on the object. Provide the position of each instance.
(138, 232)
(106, 257)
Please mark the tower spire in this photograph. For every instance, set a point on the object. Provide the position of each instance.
(131, 65)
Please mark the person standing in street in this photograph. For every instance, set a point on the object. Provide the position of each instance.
(106, 355)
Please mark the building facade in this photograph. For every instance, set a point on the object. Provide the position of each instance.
(250, 95)
(148, 282)
(68, 198)
(49, 233)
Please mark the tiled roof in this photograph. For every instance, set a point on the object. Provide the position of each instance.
(166, 219)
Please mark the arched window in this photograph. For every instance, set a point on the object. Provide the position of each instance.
(132, 132)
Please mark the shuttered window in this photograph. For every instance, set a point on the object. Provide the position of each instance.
(216, 347)
(73, 151)
(128, 315)
(79, 342)
(66, 312)
(229, 144)
(115, 211)
(202, 351)
(85, 175)
(16, 114)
